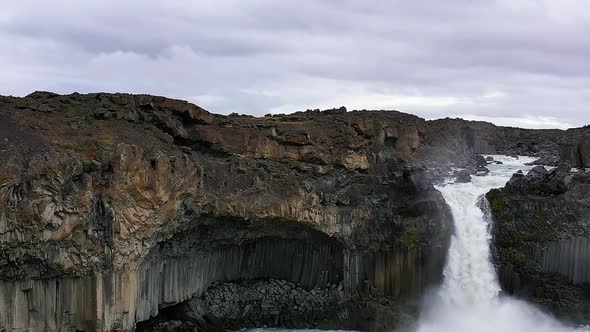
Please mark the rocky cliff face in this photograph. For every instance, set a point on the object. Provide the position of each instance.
(576, 152)
(551, 146)
(486, 138)
(114, 206)
(541, 232)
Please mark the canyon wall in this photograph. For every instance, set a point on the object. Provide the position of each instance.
(569, 258)
(113, 207)
(541, 232)
(576, 153)
(551, 146)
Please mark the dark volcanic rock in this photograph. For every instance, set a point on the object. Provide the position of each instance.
(279, 303)
(129, 203)
(462, 176)
(114, 206)
(575, 154)
(539, 181)
(537, 173)
(482, 170)
(541, 236)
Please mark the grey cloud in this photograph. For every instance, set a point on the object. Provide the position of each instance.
(504, 59)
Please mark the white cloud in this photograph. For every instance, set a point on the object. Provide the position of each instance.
(539, 122)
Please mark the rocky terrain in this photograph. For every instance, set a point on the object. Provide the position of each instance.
(551, 146)
(541, 231)
(281, 303)
(114, 207)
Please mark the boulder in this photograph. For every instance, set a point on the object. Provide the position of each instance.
(537, 173)
(462, 176)
(539, 181)
(481, 171)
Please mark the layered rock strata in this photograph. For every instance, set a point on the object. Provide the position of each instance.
(115, 206)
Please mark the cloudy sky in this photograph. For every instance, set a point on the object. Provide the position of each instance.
(513, 62)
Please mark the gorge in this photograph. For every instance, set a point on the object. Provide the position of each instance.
(469, 299)
(134, 212)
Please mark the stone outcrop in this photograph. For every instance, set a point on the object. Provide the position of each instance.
(462, 176)
(541, 231)
(550, 146)
(253, 303)
(575, 154)
(486, 138)
(113, 207)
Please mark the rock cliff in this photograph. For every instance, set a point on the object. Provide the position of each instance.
(114, 207)
(551, 146)
(541, 231)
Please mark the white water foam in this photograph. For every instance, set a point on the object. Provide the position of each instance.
(469, 298)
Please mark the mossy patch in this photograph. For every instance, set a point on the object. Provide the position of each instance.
(410, 237)
(514, 256)
(518, 239)
(497, 206)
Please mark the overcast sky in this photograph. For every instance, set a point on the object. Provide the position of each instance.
(513, 62)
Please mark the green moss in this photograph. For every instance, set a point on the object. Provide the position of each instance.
(514, 256)
(445, 228)
(519, 239)
(88, 150)
(78, 147)
(410, 237)
(497, 207)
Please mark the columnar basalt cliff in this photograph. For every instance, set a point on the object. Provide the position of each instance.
(541, 236)
(115, 206)
(551, 146)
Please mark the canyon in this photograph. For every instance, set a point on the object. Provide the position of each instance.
(119, 212)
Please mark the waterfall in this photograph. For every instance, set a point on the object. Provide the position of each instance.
(469, 298)
(469, 274)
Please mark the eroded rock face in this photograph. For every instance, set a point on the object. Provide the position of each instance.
(96, 191)
(550, 146)
(541, 231)
(113, 206)
(575, 154)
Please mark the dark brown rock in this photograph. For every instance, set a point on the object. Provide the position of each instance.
(119, 201)
(463, 176)
(108, 193)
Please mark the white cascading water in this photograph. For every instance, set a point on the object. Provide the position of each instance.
(468, 300)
